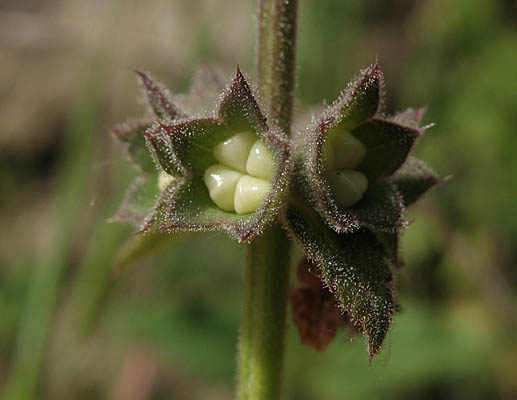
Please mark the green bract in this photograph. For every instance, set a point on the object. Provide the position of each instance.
(339, 187)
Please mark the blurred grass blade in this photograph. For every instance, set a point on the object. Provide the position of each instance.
(95, 276)
(44, 287)
(141, 246)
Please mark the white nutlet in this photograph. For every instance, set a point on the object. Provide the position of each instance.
(344, 151)
(348, 187)
(164, 179)
(221, 183)
(250, 193)
(233, 152)
(260, 161)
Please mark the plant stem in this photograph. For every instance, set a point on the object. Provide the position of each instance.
(266, 277)
(276, 59)
(263, 318)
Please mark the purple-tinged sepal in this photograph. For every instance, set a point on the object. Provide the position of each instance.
(208, 83)
(411, 117)
(132, 135)
(159, 100)
(347, 153)
(145, 189)
(353, 179)
(413, 180)
(230, 170)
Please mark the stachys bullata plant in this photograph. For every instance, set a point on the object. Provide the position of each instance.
(338, 188)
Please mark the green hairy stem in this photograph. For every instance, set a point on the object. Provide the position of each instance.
(276, 59)
(261, 346)
(266, 277)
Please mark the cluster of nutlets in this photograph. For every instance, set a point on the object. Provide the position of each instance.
(339, 187)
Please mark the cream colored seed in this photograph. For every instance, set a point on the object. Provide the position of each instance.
(229, 186)
(348, 186)
(344, 151)
(233, 152)
(164, 179)
(250, 193)
(221, 183)
(260, 161)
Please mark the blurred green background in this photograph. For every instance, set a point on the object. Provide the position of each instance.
(166, 328)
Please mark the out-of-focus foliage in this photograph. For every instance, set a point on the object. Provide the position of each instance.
(167, 327)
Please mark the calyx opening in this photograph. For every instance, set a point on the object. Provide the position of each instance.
(343, 152)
